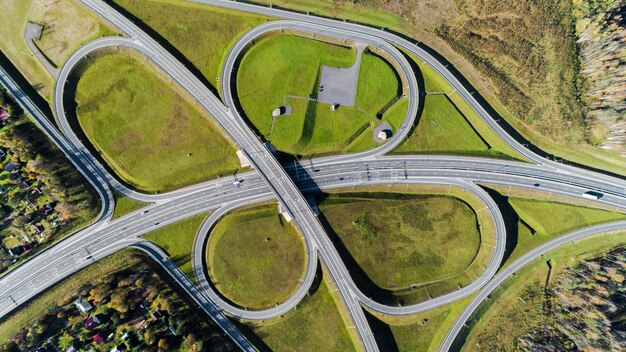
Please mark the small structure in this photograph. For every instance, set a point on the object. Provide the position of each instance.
(4, 114)
(173, 330)
(45, 210)
(334, 107)
(98, 338)
(84, 306)
(282, 211)
(10, 167)
(92, 323)
(382, 132)
(2, 153)
(278, 111)
(243, 159)
(23, 184)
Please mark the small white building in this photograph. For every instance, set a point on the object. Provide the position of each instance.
(382, 135)
(84, 306)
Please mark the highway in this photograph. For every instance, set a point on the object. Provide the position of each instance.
(275, 181)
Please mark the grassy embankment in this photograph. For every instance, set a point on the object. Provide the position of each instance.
(66, 26)
(145, 129)
(398, 242)
(425, 331)
(535, 217)
(493, 44)
(255, 258)
(518, 306)
(125, 205)
(202, 34)
(317, 324)
(448, 125)
(314, 129)
(177, 241)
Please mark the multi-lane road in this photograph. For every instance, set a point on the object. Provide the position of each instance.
(285, 183)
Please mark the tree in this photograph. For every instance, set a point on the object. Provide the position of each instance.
(163, 346)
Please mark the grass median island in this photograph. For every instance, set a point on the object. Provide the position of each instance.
(400, 240)
(284, 69)
(255, 258)
(203, 34)
(315, 325)
(534, 217)
(177, 241)
(145, 130)
(125, 205)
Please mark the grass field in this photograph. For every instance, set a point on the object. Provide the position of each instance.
(30, 312)
(313, 129)
(125, 205)
(424, 331)
(315, 325)
(542, 221)
(145, 130)
(503, 319)
(202, 34)
(177, 241)
(255, 258)
(67, 26)
(401, 240)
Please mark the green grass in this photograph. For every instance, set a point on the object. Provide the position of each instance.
(75, 23)
(424, 331)
(550, 219)
(148, 134)
(500, 321)
(255, 258)
(125, 205)
(203, 34)
(315, 325)
(177, 241)
(400, 240)
(32, 311)
(312, 129)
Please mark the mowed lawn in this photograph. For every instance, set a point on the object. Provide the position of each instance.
(404, 239)
(147, 133)
(281, 66)
(202, 34)
(177, 241)
(315, 325)
(255, 258)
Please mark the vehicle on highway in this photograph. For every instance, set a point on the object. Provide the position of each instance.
(593, 195)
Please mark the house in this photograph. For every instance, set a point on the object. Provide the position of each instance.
(84, 306)
(92, 322)
(45, 210)
(26, 247)
(4, 114)
(71, 349)
(156, 315)
(16, 250)
(36, 190)
(119, 348)
(23, 184)
(38, 228)
(10, 167)
(98, 338)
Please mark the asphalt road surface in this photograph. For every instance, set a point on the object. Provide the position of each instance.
(283, 182)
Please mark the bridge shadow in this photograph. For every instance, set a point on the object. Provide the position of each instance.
(511, 221)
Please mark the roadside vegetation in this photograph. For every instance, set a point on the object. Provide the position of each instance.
(177, 241)
(493, 44)
(202, 34)
(293, 76)
(405, 245)
(255, 258)
(571, 296)
(125, 205)
(129, 302)
(532, 219)
(145, 130)
(317, 324)
(43, 197)
(66, 24)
